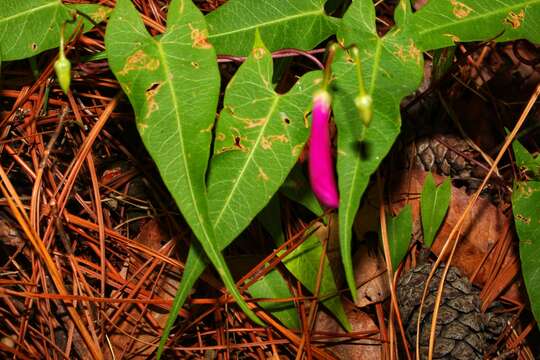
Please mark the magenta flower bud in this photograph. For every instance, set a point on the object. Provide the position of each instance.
(321, 166)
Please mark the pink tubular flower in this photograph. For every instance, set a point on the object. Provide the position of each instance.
(321, 166)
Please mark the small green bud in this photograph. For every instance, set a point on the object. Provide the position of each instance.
(62, 67)
(364, 105)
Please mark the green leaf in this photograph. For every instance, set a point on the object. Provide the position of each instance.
(31, 26)
(296, 187)
(304, 262)
(526, 208)
(399, 234)
(162, 79)
(270, 219)
(274, 286)
(259, 136)
(244, 176)
(525, 161)
(442, 23)
(434, 203)
(392, 67)
(300, 24)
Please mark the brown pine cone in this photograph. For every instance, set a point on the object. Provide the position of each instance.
(446, 154)
(460, 332)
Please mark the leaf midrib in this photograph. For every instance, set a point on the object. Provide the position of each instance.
(268, 23)
(475, 17)
(29, 11)
(248, 161)
(181, 142)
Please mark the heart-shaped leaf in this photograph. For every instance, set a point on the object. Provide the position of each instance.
(259, 136)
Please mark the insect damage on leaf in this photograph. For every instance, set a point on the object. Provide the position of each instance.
(150, 95)
(523, 219)
(267, 141)
(262, 175)
(250, 124)
(199, 38)
(139, 61)
(258, 53)
(459, 9)
(409, 53)
(515, 20)
(453, 37)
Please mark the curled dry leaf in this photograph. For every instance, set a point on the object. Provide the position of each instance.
(370, 274)
(365, 345)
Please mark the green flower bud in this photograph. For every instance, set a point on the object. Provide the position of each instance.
(364, 104)
(62, 67)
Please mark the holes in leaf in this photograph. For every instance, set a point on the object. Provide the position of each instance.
(34, 46)
(153, 87)
(287, 121)
(237, 141)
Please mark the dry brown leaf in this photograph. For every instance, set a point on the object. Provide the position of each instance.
(485, 225)
(366, 346)
(370, 275)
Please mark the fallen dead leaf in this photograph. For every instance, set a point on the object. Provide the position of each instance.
(361, 343)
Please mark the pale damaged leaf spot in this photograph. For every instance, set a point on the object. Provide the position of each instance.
(250, 124)
(459, 9)
(209, 129)
(285, 118)
(101, 14)
(453, 37)
(258, 53)
(238, 142)
(409, 53)
(268, 141)
(139, 61)
(523, 219)
(150, 95)
(220, 137)
(199, 38)
(142, 127)
(297, 149)
(262, 175)
(515, 20)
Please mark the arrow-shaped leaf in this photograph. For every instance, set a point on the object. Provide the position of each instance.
(434, 203)
(259, 137)
(163, 80)
(391, 69)
(300, 24)
(442, 23)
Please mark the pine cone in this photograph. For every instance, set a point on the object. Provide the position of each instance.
(443, 154)
(460, 330)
